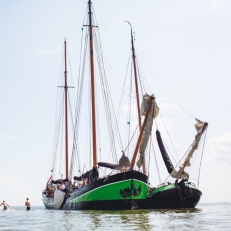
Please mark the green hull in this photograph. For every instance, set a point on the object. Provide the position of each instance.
(126, 190)
(115, 191)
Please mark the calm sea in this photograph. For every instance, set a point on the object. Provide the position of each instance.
(216, 216)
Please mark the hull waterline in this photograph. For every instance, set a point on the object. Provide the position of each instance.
(174, 197)
(127, 190)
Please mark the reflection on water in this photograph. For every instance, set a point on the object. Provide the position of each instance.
(147, 219)
(206, 217)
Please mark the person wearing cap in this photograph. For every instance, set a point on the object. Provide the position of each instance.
(5, 205)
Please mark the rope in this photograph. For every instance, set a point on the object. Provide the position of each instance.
(110, 98)
(105, 98)
(150, 138)
(141, 79)
(166, 91)
(131, 138)
(202, 157)
(128, 129)
(182, 204)
(158, 172)
(75, 156)
(169, 137)
(180, 160)
(59, 108)
(109, 35)
(121, 99)
(76, 19)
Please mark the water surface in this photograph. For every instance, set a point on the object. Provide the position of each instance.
(216, 216)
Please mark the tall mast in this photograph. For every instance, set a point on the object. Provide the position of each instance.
(66, 107)
(136, 86)
(90, 26)
(141, 132)
(136, 81)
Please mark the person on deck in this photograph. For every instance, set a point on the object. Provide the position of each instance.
(66, 187)
(63, 187)
(59, 187)
(27, 204)
(5, 205)
(80, 184)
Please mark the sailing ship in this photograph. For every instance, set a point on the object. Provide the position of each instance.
(126, 186)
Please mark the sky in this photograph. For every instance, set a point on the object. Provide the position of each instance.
(185, 51)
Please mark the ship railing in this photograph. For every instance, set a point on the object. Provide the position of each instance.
(46, 193)
(164, 184)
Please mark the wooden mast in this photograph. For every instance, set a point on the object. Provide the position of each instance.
(150, 102)
(136, 81)
(137, 89)
(184, 165)
(66, 107)
(90, 26)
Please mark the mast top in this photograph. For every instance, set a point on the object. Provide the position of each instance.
(90, 17)
(132, 39)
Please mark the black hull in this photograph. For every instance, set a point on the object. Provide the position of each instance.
(165, 197)
(175, 198)
(125, 202)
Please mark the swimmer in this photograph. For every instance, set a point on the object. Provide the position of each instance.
(5, 205)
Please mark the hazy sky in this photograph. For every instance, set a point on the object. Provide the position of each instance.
(185, 44)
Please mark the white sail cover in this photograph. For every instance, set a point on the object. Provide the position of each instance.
(58, 198)
(199, 127)
(144, 105)
(154, 111)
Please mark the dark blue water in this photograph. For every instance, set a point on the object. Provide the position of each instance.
(216, 216)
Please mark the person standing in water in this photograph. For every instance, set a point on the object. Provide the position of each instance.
(27, 204)
(5, 205)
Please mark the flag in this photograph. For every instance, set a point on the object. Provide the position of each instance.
(51, 170)
(128, 123)
(49, 180)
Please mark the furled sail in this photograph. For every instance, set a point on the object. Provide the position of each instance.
(154, 111)
(167, 161)
(106, 165)
(180, 173)
(91, 174)
(124, 163)
(199, 127)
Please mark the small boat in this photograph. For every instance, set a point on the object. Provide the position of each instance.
(126, 185)
(183, 194)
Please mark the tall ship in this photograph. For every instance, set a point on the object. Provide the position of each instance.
(91, 183)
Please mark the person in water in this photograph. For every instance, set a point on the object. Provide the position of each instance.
(27, 204)
(5, 205)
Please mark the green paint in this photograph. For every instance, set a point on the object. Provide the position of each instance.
(192, 186)
(112, 192)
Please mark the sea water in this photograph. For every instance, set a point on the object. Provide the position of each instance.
(214, 216)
